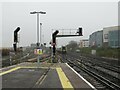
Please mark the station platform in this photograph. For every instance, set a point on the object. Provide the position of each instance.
(58, 76)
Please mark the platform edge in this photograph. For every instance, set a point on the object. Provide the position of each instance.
(82, 77)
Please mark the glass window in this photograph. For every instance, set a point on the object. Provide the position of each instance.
(105, 36)
(116, 43)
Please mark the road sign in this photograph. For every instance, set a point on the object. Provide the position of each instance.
(38, 51)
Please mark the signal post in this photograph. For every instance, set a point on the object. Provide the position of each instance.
(54, 35)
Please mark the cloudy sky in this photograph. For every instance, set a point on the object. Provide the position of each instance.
(91, 16)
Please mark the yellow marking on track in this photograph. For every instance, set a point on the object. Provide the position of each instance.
(64, 80)
(8, 71)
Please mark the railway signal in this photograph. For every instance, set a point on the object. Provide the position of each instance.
(16, 34)
(44, 44)
(79, 31)
(15, 47)
(54, 43)
(16, 38)
(54, 40)
(54, 35)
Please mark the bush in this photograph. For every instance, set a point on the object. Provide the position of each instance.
(85, 50)
(107, 52)
(103, 52)
(5, 52)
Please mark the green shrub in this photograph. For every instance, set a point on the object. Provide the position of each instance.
(103, 52)
(5, 52)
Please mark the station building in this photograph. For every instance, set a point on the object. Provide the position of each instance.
(33, 45)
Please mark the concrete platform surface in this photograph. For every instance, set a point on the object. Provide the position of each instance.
(58, 76)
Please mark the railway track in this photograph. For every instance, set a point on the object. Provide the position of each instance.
(112, 62)
(100, 67)
(105, 65)
(103, 80)
(31, 58)
(109, 66)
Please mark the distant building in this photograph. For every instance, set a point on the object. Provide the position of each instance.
(33, 45)
(84, 43)
(99, 38)
(114, 39)
(92, 39)
(106, 37)
(96, 39)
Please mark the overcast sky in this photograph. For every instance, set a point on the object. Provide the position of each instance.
(91, 16)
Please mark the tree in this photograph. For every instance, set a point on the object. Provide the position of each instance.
(72, 45)
(5, 52)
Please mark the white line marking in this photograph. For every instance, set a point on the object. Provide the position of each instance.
(82, 77)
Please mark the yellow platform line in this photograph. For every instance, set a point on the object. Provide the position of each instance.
(30, 67)
(33, 67)
(64, 80)
(21, 67)
(8, 71)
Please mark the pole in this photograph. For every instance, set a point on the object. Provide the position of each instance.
(43, 38)
(37, 30)
(38, 44)
(40, 34)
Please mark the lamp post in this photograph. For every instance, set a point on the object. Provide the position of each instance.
(38, 25)
(40, 34)
(38, 29)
